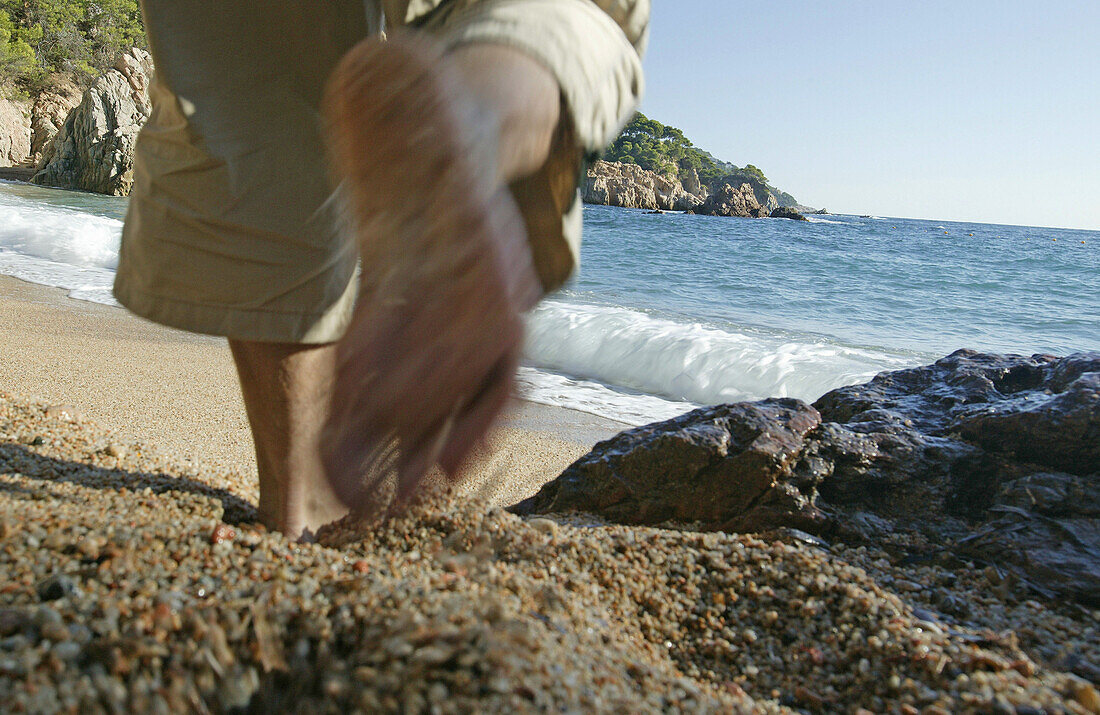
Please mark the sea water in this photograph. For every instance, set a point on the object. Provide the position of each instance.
(670, 311)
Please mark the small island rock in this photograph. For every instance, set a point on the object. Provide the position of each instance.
(787, 212)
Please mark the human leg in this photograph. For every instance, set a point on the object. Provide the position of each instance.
(233, 229)
(287, 388)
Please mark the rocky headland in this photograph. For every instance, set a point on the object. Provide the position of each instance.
(612, 183)
(79, 139)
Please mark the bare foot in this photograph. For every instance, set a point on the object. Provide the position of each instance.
(430, 355)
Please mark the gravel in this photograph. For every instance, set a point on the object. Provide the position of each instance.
(130, 582)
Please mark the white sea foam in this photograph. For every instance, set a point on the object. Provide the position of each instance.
(59, 247)
(692, 362)
(813, 219)
(628, 406)
(614, 362)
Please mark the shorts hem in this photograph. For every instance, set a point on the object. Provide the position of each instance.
(234, 323)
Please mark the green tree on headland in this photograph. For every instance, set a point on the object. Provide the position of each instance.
(80, 38)
(659, 148)
(16, 55)
(754, 172)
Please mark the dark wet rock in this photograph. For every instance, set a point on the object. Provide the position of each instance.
(989, 458)
(1045, 528)
(787, 212)
(725, 466)
(728, 201)
(54, 587)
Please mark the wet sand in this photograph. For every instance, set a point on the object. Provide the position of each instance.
(134, 577)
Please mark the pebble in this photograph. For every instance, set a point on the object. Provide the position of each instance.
(55, 587)
(545, 526)
(66, 650)
(56, 632)
(222, 532)
(1086, 694)
(13, 620)
(67, 413)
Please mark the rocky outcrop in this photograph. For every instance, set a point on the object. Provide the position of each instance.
(630, 186)
(94, 149)
(710, 466)
(15, 132)
(986, 458)
(787, 212)
(694, 186)
(49, 112)
(728, 201)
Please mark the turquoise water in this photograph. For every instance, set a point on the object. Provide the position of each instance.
(923, 286)
(670, 311)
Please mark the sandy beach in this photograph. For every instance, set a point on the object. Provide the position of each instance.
(133, 576)
(177, 393)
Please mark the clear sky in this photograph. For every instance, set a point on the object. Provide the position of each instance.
(969, 110)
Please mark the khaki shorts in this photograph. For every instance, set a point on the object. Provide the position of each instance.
(233, 228)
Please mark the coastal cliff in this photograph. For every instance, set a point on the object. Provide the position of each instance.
(15, 132)
(27, 126)
(94, 149)
(614, 183)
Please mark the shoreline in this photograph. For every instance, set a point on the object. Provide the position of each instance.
(177, 393)
(22, 174)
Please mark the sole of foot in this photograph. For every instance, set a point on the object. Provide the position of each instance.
(429, 358)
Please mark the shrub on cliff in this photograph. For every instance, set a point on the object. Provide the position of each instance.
(16, 56)
(80, 38)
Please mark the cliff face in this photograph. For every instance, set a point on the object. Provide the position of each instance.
(94, 149)
(27, 127)
(48, 115)
(612, 183)
(15, 132)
